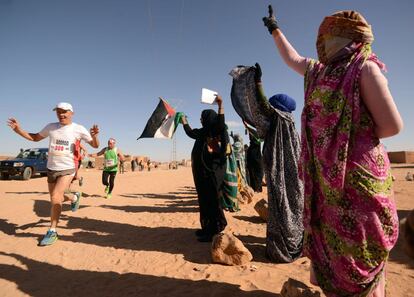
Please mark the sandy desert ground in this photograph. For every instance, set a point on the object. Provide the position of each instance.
(142, 243)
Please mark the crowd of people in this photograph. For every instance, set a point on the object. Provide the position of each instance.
(329, 190)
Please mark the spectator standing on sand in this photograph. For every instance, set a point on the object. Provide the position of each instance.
(350, 216)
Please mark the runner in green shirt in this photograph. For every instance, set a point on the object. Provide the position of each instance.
(112, 155)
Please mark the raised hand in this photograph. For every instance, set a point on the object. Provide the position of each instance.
(219, 100)
(94, 130)
(257, 73)
(13, 123)
(184, 120)
(181, 116)
(270, 21)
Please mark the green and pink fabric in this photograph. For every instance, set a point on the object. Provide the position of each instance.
(350, 217)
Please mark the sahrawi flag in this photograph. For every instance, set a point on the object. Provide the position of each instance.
(163, 122)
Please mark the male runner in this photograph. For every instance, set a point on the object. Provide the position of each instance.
(61, 163)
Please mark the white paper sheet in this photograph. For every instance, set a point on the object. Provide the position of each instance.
(208, 96)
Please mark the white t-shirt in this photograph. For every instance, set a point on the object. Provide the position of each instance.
(62, 141)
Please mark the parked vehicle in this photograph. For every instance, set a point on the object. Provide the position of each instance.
(27, 163)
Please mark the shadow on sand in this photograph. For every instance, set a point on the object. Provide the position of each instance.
(29, 192)
(253, 219)
(180, 241)
(47, 280)
(256, 245)
(158, 196)
(172, 206)
(42, 208)
(188, 192)
(7, 228)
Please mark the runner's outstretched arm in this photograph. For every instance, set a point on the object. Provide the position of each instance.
(100, 153)
(15, 126)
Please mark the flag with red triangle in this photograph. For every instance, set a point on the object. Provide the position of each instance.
(163, 122)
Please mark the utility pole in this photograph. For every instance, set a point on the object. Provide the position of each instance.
(174, 153)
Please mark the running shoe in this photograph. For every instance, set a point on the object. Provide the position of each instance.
(107, 190)
(49, 239)
(81, 181)
(75, 205)
(108, 196)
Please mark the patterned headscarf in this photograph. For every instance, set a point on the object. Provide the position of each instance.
(343, 30)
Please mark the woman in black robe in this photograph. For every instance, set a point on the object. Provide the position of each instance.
(208, 162)
(281, 151)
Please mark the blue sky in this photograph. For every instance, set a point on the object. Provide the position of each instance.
(113, 59)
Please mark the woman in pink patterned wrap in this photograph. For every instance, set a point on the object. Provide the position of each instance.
(350, 216)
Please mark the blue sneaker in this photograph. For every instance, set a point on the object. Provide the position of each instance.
(49, 239)
(75, 205)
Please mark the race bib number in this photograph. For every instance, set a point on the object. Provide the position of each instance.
(109, 163)
(60, 147)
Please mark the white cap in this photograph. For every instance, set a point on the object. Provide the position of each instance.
(64, 106)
